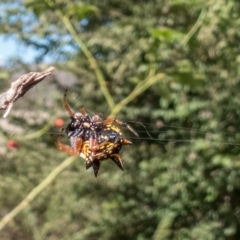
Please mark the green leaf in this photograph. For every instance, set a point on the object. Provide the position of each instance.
(38, 7)
(80, 10)
(166, 35)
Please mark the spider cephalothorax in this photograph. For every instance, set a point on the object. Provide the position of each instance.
(97, 140)
(82, 125)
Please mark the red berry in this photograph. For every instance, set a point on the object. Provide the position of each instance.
(12, 144)
(59, 122)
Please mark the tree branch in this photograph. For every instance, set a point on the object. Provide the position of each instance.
(20, 87)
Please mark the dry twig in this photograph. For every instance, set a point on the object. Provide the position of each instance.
(20, 87)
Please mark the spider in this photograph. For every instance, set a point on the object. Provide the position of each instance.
(97, 140)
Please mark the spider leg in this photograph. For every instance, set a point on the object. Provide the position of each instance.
(65, 148)
(117, 159)
(67, 106)
(76, 143)
(111, 120)
(74, 149)
(95, 118)
(93, 145)
(82, 111)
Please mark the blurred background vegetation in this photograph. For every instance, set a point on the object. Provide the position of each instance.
(173, 66)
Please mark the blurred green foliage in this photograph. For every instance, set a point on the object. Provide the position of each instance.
(170, 189)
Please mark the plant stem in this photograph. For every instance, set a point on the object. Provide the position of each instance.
(91, 59)
(26, 201)
(194, 28)
(141, 87)
(38, 133)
